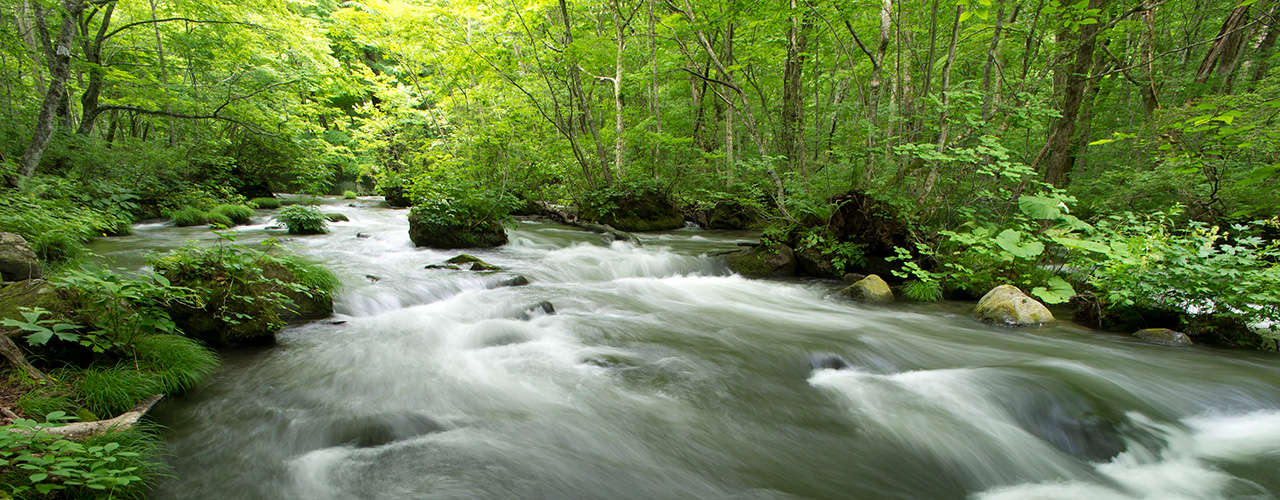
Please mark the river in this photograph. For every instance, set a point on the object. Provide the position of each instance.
(660, 375)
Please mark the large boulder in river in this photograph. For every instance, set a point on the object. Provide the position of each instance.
(763, 261)
(644, 209)
(1163, 336)
(871, 289)
(1007, 305)
(240, 306)
(17, 260)
(429, 229)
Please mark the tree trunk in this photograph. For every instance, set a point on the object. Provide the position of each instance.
(988, 97)
(931, 180)
(93, 91)
(1057, 160)
(793, 93)
(26, 28)
(55, 97)
(1262, 56)
(585, 120)
(882, 48)
(1225, 46)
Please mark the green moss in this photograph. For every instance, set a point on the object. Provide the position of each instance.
(190, 216)
(349, 195)
(764, 260)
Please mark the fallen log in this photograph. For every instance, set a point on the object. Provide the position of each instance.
(566, 218)
(81, 430)
(12, 353)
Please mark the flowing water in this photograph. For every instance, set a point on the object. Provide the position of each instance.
(657, 374)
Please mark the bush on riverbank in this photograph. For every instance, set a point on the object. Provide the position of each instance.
(303, 219)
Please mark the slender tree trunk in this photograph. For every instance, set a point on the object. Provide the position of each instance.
(931, 180)
(1262, 56)
(93, 55)
(1150, 99)
(55, 97)
(585, 120)
(793, 93)
(27, 30)
(1058, 161)
(1225, 46)
(988, 97)
(882, 48)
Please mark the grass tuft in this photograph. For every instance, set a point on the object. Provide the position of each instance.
(190, 216)
(267, 203)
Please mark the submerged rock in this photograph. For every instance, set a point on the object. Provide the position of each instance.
(427, 231)
(516, 280)
(763, 260)
(871, 289)
(1007, 305)
(366, 431)
(1163, 336)
(17, 261)
(472, 263)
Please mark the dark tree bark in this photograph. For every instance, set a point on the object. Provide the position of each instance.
(1057, 153)
(793, 93)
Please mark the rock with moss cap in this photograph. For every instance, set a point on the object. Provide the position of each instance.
(428, 231)
(871, 290)
(763, 261)
(1163, 336)
(17, 261)
(1007, 305)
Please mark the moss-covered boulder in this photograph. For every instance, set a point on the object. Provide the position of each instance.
(337, 217)
(1163, 336)
(871, 290)
(1007, 305)
(644, 209)
(396, 196)
(763, 261)
(242, 300)
(17, 261)
(729, 214)
(33, 294)
(429, 230)
(814, 263)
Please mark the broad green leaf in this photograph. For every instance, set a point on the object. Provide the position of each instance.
(1038, 207)
(1059, 291)
(1011, 241)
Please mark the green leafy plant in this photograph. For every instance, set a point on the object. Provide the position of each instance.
(922, 291)
(303, 219)
(124, 307)
(45, 464)
(41, 330)
(349, 195)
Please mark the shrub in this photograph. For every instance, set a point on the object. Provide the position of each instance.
(311, 274)
(267, 203)
(190, 216)
(55, 229)
(239, 214)
(304, 219)
(42, 464)
(349, 195)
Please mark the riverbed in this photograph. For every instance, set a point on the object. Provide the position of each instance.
(650, 371)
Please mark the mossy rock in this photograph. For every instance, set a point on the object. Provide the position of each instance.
(644, 211)
(814, 263)
(1007, 305)
(238, 311)
(36, 293)
(396, 196)
(337, 217)
(460, 234)
(17, 260)
(763, 261)
(1163, 336)
(472, 263)
(727, 214)
(871, 290)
